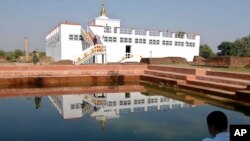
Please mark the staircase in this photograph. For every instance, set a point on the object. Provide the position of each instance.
(224, 84)
(89, 53)
(91, 49)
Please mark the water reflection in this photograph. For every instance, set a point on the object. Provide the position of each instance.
(125, 112)
(38, 100)
(104, 106)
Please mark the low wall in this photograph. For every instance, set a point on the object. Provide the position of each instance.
(165, 60)
(35, 75)
(70, 70)
(230, 61)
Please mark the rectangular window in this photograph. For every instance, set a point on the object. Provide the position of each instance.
(126, 40)
(154, 42)
(107, 29)
(70, 37)
(136, 41)
(110, 39)
(75, 37)
(105, 39)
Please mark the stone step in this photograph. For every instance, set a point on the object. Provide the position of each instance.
(224, 80)
(209, 91)
(162, 81)
(216, 85)
(244, 95)
(170, 75)
(172, 69)
(243, 76)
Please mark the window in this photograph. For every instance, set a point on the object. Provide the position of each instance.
(164, 107)
(111, 103)
(109, 39)
(126, 40)
(177, 43)
(80, 37)
(190, 44)
(140, 41)
(70, 37)
(167, 43)
(76, 37)
(72, 106)
(107, 29)
(115, 30)
(125, 102)
(154, 42)
(139, 109)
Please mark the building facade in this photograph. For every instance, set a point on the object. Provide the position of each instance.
(106, 41)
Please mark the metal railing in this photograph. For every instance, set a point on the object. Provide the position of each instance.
(90, 52)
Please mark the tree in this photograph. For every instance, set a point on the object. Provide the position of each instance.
(18, 53)
(243, 46)
(10, 56)
(2, 53)
(227, 49)
(42, 54)
(206, 51)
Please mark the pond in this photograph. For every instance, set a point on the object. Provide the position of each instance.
(107, 113)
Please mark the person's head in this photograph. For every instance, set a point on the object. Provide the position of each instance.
(216, 122)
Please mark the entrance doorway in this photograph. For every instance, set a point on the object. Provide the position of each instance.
(128, 51)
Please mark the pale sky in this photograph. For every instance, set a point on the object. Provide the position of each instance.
(214, 20)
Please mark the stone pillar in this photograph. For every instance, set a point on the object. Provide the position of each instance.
(26, 49)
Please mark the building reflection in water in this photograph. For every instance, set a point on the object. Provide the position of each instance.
(104, 106)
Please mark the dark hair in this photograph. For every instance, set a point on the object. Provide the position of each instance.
(218, 120)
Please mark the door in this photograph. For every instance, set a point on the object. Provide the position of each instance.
(128, 51)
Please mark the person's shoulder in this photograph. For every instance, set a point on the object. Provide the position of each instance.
(207, 139)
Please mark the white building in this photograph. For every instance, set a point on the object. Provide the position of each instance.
(116, 44)
(112, 105)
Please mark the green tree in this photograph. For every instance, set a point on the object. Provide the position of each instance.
(2, 53)
(243, 46)
(42, 54)
(206, 51)
(18, 53)
(10, 56)
(227, 49)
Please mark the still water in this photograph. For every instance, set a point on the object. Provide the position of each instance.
(118, 114)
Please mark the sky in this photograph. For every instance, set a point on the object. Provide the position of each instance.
(214, 20)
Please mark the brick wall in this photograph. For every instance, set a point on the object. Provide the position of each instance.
(199, 60)
(165, 60)
(70, 70)
(230, 61)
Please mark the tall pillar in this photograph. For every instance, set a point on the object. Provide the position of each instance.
(26, 49)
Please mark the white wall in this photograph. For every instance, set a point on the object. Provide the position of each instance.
(116, 50)
(71, 49)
